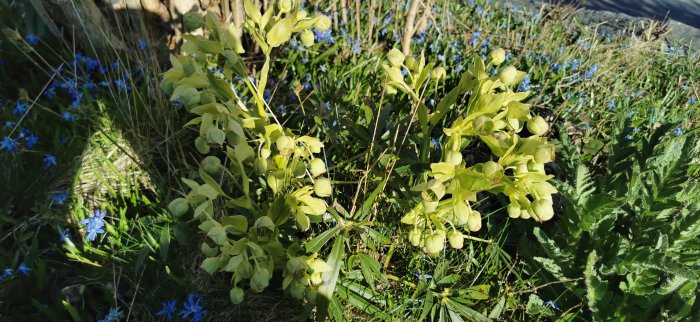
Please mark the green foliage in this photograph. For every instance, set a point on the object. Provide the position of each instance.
(244, 201)
(627, 244)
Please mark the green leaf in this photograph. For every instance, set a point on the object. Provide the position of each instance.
(371, 269)
(330, 278)
(364, 210)
(314, 245)
(72, 311)
(164, 242)
(466, 311)
(238, 223)
(218, 235)
(205, 45)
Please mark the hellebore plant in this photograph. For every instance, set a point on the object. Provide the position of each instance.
(257, 174)
(495, 116)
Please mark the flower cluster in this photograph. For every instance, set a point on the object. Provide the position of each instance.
(94, 224)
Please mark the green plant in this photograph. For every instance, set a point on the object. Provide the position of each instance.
(244, 202)
(626, 246)
(495, 115)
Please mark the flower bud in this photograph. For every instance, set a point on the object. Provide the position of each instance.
(414, 236)
(497, 56)
(201, 144)
(390, 90)
(453, 157)
(513, 210)
(285, 5)
(430, 205)
(178, 207)
(394, 74)
(483, 124)
(435, 243)
(474, 222)
(514, 124)
(438, 73)
(236, 295)
(537, 126)
(260, 165)
(542, 209)
(296, 290)
(508, 75)
(521, 168)
(411, 63)
(533, 166)
(211, 164)
(323, 187)
(489, 168)
(265, 229)
(544, 153)
(395, 57)
(322, 23)
(317, 167)
(307, 38)
(260, 279)
(456, 239)
(285, 145)
(244, 269)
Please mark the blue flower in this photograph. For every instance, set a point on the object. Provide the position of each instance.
(479, 11)
(611, 104)
(436, 143)
(49, 161)
(142, 44)
(24, 269)
(8, 144)
(8, 124)
(420, 275)
(193, 307)
(431, 102)
(32, 140)
(6, 273)
(20, 108)
(67, 116)
(592, 70)
(121, 84)
(169, 308)
(114, 315)
(551, 304)
(475, 38)
(94, 224)
(356, 47)
(524, 84)
(692, 100)
(32, 39)
(304, 60)
(678, 132)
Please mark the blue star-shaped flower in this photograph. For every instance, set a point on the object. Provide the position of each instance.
(114, 315)
(8, 144)
(20, 108)
(169, 308)
(193, 307)
(94, 224)
(24, 269)
(50, 161)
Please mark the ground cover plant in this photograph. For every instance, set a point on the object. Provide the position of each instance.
(416, 160)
